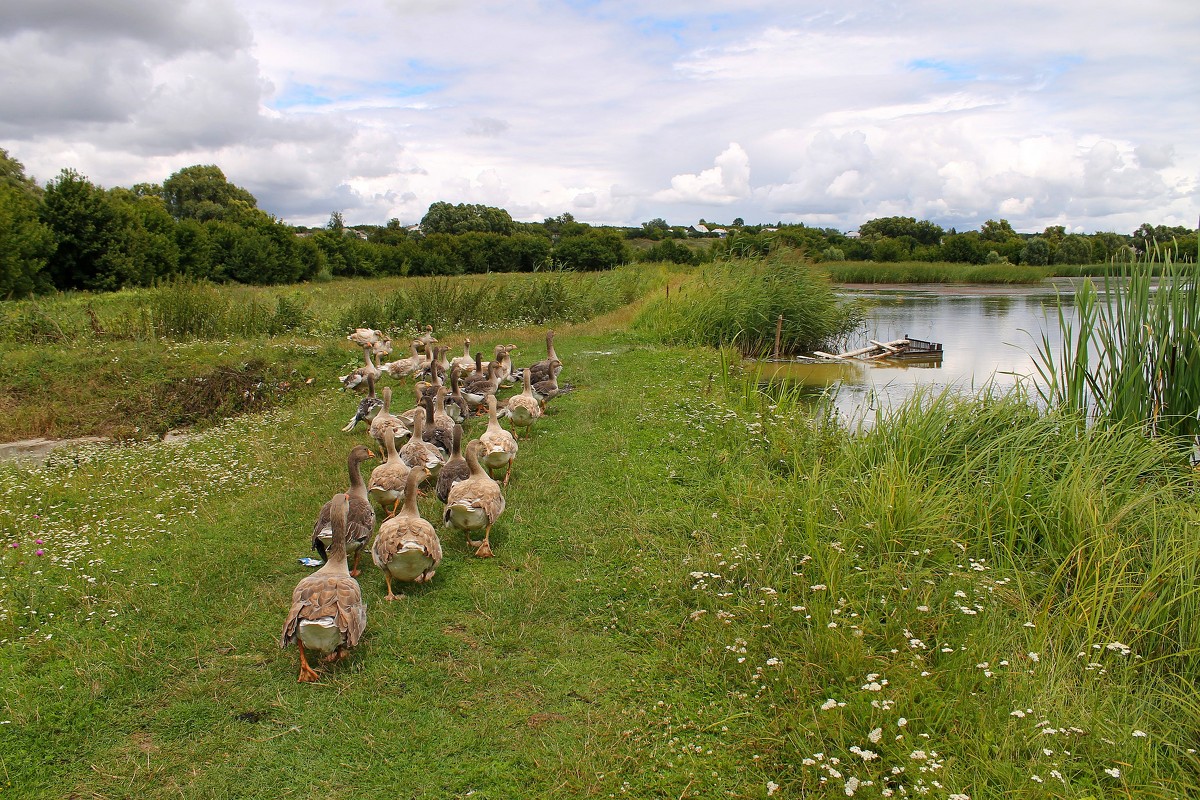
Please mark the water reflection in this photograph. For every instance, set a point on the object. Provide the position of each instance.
(990, 335)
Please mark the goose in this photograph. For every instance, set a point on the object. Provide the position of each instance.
(385, 420)
(456, 405)
(418, 452)
(407, 547)
(478, 391)
(455, 469)
(358, 378)
(440, 431)
(380, 344)
(328, 614)
(478, 372)
(524, 408)
(387, 481)
(360, 522)
(475, 503)
(431, 433)
(541, 369)
(547, 389)
(498, 447)
(427, 338)
(466, 361)
(368, 407)
(503, 357)
(403, 367)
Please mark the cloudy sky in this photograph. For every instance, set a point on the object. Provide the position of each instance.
(1084, 113)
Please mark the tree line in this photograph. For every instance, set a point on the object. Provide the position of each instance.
(74, 234)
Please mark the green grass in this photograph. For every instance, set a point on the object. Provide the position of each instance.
(925, 272)
(1133, 356)
(688, 572)
(184, 309)
(739, 304)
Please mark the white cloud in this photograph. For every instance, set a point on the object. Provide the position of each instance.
(1053, 114)
(726, 182)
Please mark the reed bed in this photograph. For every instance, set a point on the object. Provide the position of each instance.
(186, 309)
(969, 590)
(926, 272)
(739, 303)
(1133, 356)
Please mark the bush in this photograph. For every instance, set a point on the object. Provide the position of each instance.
(738, 303)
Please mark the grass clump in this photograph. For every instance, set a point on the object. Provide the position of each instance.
(1133, 355)
(927, 272)
(738, 304)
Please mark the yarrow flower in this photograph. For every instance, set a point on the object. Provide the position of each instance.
(1113, 771)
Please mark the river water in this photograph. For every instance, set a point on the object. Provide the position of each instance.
(989, 334)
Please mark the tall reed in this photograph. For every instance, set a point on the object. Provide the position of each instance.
(739, 303)
(1133, 356)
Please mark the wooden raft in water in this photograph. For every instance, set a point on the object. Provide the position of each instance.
(904, 348)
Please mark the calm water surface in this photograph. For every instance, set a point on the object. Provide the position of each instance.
(989, 334)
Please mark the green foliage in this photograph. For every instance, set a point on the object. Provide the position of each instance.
(594, 250)
(25, 244)
(737, 304)
(1133, 356)
(833, 254)
(993, 231)
(932, 272)
(923, 232)
(443, 217)
(202, 193)
(1036, 252)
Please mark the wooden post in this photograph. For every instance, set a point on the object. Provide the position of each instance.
(778, 336)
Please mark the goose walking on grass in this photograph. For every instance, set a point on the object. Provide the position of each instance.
(386, 484)
(360, 522)
(357, 380)
(427, 338)
(368, 407)
(407, 547)
(385, 421)
(418, 452)
(524, 408)
(542, 370)
(499, 447)
(548, 389)
(456, 405)
(478, 391)
(465, 362)
(475, 503)
(403, 367)
(327, 614)
(455, 469)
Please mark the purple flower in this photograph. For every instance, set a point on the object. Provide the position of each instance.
(14, 545)
(38, 541)
(39, 552)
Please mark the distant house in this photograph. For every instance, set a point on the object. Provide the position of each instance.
(699, 230)
(720, 233)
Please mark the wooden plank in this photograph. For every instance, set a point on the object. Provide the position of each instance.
(891, 348)
(828, 355)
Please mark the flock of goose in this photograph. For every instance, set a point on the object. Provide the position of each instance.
(420, 446)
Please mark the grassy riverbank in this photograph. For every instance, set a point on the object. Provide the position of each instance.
(699, 591)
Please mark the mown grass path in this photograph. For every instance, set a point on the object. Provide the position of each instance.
(525, 675)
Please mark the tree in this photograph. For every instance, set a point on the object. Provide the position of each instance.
(443, 217)
(1036, 252)
(655, 228)
(25, 242)
(84, 224)
(1074, 249)
(993, 231)
(591, 251)
(202, 193)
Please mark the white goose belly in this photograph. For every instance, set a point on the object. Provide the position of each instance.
(409, 563)
(467, 518)
(321, 634)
